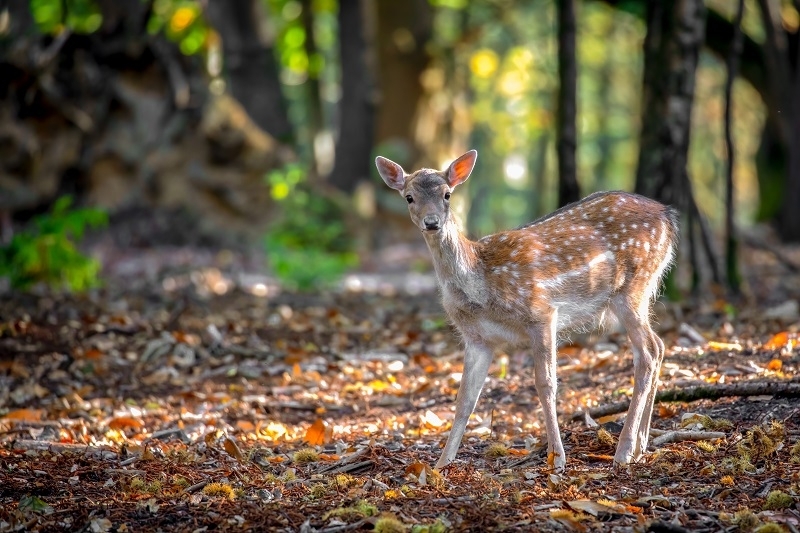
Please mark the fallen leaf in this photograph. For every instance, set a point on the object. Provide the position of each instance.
(124, 422)
(727, 346)
(781, 340)
(26, 415)
(316, 433)
(431, 420)
(592, 508)
(245, 425)
(600, 457)
(775, 365)
(418, 469)
(232, 449)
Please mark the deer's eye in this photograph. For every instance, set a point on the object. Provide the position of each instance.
(409, 199)
(447, 196)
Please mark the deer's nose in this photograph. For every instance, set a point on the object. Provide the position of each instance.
(431, 222)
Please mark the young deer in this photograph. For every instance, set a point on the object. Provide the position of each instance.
(607, 251)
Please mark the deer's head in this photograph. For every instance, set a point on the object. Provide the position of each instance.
(427, 191)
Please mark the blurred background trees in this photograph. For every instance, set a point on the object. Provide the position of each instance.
(234, 111)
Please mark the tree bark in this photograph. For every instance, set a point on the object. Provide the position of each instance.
(566, 131)
(403, 29)
(356, 107)
(732, 276)
(671, 50)
(252, 70)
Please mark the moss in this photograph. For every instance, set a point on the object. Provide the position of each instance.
(605, 438)
(746, 520)
(769, 527)
(496, 450)
(219, 490)
(777, 500)
(305, 456)
(388, 523)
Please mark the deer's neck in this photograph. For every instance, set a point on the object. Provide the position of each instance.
(455, 257)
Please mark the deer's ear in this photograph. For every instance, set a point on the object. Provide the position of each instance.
(461, 168)
(392, 173)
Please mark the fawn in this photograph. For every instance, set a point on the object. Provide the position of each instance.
(565, 270)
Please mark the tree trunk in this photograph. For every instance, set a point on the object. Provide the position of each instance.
(403, 30)
(566, 132)
(671, 50)
(250, 64)
(732, 276)
(315, 121)
(356, 107)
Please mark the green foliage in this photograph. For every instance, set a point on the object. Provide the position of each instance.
(47, 253)
(181, 21)
(79, 16)
(308, 247)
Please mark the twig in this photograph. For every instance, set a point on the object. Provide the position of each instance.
(665, 527)
(784, 389)
(133, 472)
(352, 467)
(196, 487)
(681, 436)
(345, 527)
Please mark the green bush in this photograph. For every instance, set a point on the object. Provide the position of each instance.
(47, 253)
(308, 246)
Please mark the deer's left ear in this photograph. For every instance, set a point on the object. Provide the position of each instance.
(461, 168)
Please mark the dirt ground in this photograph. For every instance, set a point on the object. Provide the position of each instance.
(207, 399)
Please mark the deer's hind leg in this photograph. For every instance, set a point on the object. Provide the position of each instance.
(648, 352)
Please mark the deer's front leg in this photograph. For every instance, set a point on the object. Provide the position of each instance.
(544, 365)
(477, 357)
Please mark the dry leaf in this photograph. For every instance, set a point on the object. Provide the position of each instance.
(233, 449)
(123, 422)
(431, 420)
(418, 470)
(667, 411)
(775, 365)
(727, 346)
(600, 457)
(245, 425)
(316, 435)
(782, 340)
(592, 508)
(93, 353)
(26, 415)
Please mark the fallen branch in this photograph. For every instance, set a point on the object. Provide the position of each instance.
(783, 389)
(682, 436)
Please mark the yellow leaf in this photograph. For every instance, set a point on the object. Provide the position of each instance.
(729, 346)
(432, 420)
(181, 19)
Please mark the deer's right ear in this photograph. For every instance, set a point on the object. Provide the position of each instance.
(392, 173)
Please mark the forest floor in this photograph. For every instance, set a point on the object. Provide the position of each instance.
(203, 400)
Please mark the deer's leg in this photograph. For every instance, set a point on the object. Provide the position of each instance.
(657, 346)
(544, 366)
(477, 357)
(646, 362)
